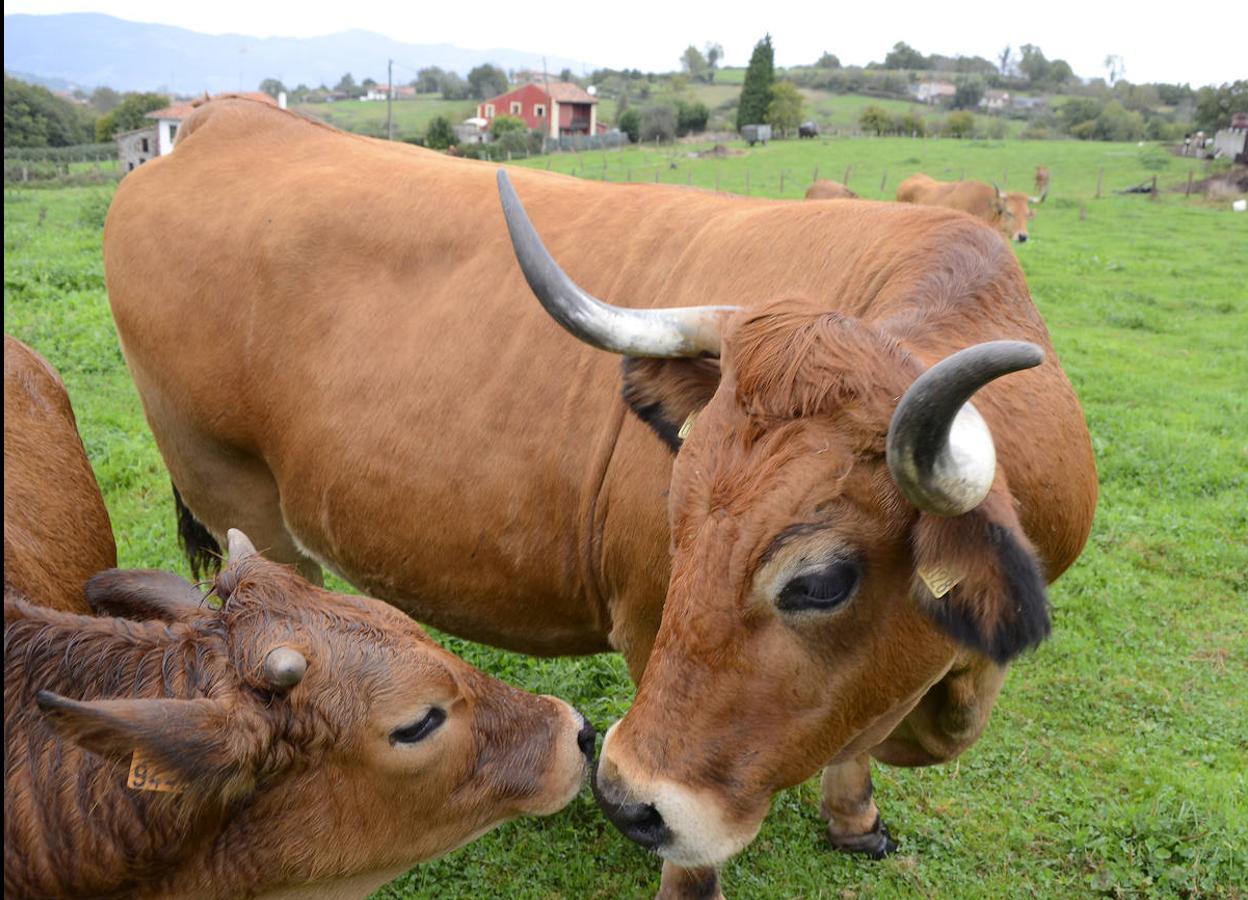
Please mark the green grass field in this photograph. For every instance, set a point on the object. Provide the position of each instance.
(411, 117)
(1115, 764)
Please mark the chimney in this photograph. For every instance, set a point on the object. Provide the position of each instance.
(281, 99)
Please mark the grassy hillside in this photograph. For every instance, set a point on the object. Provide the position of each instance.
(411, 117)
(1116, 761)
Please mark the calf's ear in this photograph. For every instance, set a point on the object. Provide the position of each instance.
(979, 579)
(663, 393)
(143, 594)
(199, 743)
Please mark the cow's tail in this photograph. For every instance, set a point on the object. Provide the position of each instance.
(201, 548)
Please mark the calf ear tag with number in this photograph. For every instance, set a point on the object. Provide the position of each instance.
(939, 581)
(146, 775)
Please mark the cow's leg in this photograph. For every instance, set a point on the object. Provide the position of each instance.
(227, 489)
(689, 884)
(950, 717)
(849, 809)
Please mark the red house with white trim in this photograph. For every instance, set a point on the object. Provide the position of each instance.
(557, 109)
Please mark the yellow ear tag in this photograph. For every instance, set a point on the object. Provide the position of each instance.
(145, 775)
(688, 426)
(939, 581)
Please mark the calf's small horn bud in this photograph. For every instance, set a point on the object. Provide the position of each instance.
(284, 668)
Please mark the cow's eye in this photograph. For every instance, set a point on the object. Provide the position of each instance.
(820, 589)
(419, 730)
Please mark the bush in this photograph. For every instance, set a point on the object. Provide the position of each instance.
(440, 135)
(910, 123)
(691, 118)
(504, 124)
(959, 124)
(129, 115)
(875, 119)
(630, 124)
(658, 123)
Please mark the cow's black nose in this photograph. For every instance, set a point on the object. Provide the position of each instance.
(639, 822)
(1021, 238)
(585, 739)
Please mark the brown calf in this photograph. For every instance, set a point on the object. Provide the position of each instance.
(56, 529)
(290, 742)
(1006, 212)
(826, 189)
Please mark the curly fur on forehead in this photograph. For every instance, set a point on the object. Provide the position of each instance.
(797, 360)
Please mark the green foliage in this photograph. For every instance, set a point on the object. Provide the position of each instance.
(440, 134)
(875, 120)
(903, 56)
(272, 87)
(346, 84)
(486, 81)
(694, 64)
(910, 123)
(505, 123)
(630, 124)
(130, 114)
(760, 75)
(1154, 158)
(429, 80)
(1216, 105)
(105, 99)
(959, 124)
(786, 108)
(34, 117)
(968, 93)
(691, 118)
(828, 61)
(454, 87)
(658, 122)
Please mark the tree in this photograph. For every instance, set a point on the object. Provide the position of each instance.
(486, 81)
(960, 124)
(630, 124)
(347, 85)
(968, 94)
(1033, 66)
(105, 99)
(567, 75)
(35, 117)
(694, 63)
(910, 123)
(828, 61)
(658, 123)
(429, 80)
(1115, 68)
(1004, 58)
(503, 124)
(903, 56)
(875, 119)
(760, 75)
(1214, 105)
(129, 115)
(714, 53)
(368, 84)
(784, 112)
(272, 87)
(454, 87)
(440, 135)
(691, 118)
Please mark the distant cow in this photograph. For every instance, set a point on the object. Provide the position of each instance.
(270, 738)
(808, 130)
(56, 529)
(1042, 183)
(1007, 212)
(826, 189)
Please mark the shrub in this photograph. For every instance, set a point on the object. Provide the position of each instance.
(910, 123)
(658, 123)
(505, 124)
(440, 135)
(959, 124)
(630, 124)
(875, 119)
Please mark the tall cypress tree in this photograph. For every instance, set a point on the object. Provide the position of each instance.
(756, 91)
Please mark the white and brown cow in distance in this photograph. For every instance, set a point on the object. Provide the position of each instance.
(382, 395)
(56, 528)
(1008, 212)
(319, 744)
(827, 189)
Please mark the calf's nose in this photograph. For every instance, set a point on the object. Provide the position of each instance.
(585, 739)
(1021, 238)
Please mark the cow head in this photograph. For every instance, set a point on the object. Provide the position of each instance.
(1012, 213)
(341, 739)
(833, 550)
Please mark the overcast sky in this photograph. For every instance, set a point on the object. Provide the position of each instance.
(1200, 44)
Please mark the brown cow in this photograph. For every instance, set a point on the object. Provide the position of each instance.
(1007, 212)
(1042, 183)
(382, 395)
(292, 742)
(826, 189)
(56, 529)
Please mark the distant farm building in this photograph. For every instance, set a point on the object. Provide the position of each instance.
(558, 109)
(473, 131)
(994, 100)
(1232, 143)
(138, 146)
(934, 91)
(398, 92)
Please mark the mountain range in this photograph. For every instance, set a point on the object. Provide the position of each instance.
(88, 50)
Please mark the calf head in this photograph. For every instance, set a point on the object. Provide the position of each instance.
(833, 552)
(1011, 214)
(343, 741)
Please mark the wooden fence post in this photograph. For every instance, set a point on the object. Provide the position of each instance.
(815, 177)
(884, 181)
(657, 170)
(845, 180)
(717, 178)
(689, 177)
(1100, 179)
(782, 181)
(747, 181)
(1188, 193)
(1152, 195)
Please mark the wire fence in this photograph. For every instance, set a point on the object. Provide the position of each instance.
(82, 163)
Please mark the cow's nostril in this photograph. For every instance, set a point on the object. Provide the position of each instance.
(1021, 238)
(585, 739)
(640, 822)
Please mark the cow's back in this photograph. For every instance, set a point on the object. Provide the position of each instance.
(56, 528)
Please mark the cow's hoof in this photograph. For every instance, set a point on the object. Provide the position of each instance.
(876, 843)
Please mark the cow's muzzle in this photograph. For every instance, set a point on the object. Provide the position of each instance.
(639, 822)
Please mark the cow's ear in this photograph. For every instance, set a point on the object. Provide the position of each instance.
(143, 594)
(199, 744)
(979, 579)
(663, 393)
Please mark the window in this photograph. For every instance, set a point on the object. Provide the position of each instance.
(145, 150)
(539, 110)
(515, 107)
(489, 110)
(173, 130)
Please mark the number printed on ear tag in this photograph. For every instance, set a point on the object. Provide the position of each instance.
(939, 581)
(145, 775)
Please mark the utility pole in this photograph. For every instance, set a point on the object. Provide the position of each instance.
(389, 99)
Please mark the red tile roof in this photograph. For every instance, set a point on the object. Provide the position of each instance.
(567, 92)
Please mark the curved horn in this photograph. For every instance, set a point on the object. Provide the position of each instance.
(662, 333)
(238, 545)
(284, 668)
(940, 450)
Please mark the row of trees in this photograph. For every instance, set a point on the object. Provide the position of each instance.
(35, 117)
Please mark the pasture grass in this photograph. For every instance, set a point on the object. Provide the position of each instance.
(368, 117)
(1115, 763)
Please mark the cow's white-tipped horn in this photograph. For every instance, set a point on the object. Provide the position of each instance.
(284, 668)
(662, 333)
(238, 545)
(1039, 199)
(940, 451)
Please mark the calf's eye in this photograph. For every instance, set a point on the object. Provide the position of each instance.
(419, 730)
(820, 589)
